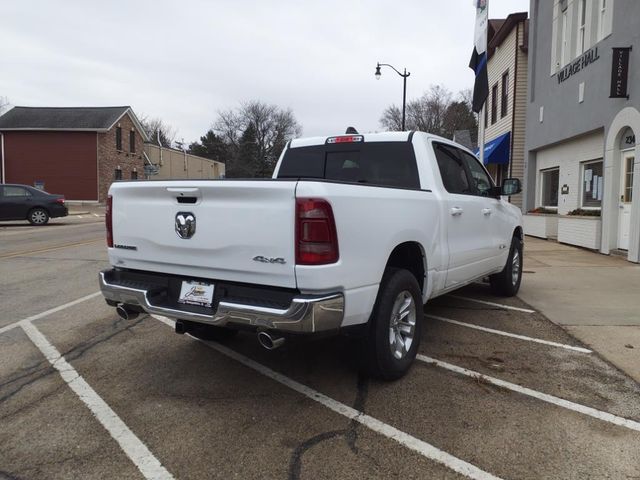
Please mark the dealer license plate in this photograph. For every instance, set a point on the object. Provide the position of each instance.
(196, 293)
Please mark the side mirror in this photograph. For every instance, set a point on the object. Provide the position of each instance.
(510, 186)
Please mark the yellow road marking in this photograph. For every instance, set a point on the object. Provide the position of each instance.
(51, 249)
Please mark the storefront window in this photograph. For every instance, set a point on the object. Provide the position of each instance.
(592, 184)
(550, 184)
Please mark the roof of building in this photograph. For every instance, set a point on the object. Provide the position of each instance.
(99, 119)
(500, 29)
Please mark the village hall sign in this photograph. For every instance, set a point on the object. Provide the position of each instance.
(578, 64)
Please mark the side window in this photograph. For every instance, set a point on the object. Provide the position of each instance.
(454, 176)
(16, 192)
(482, 183)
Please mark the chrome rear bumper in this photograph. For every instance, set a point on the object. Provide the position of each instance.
(306, 314)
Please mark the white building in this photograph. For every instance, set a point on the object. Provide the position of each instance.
(582, 120)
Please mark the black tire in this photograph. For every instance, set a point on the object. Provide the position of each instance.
(209, 332)
(507, 282)
(380, 354)
(38, 216)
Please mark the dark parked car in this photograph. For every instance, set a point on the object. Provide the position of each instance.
(22, 202)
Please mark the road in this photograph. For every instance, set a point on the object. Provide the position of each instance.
(498, 390)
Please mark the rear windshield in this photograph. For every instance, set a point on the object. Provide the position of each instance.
(391, 164)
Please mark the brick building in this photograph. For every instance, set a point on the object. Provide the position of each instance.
(77, 152)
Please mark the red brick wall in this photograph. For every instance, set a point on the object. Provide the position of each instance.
(109, 157)
(64, 161)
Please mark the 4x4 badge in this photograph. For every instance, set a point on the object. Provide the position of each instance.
(185, 224)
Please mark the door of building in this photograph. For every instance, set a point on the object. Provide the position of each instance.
(626, 193)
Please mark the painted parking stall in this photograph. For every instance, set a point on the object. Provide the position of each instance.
(494, 379)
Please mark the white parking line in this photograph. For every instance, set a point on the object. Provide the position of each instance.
(561, 402)
(147, 463)
(507, 334)
(493, 304)
(48, 312)
(423, 448)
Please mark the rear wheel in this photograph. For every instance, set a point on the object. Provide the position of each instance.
(507, 282)
(394, 331)
(38, 216)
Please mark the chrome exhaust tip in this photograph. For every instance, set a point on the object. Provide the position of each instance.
(270, 342)
(125, 312)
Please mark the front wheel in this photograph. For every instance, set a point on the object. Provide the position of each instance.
(507, 282)
(394, 331)
(38, 216)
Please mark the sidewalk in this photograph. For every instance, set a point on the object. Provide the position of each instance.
(85, 209)
(594, 297)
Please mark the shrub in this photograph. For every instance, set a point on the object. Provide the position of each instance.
(543, 210)
(584, 213)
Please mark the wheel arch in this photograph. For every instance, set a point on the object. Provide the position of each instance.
(41, 207)
(518, 233)
(410, 256)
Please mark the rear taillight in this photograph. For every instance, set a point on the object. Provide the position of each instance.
(316, 238)
(108, 220)
(60, 200)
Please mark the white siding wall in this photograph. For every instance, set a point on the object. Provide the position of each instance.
(520, 118)
(568, 156)
(501, 61)
(504, 59)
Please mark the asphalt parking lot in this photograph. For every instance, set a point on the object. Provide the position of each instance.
(498, 390)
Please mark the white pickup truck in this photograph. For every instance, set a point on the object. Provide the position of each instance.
(354, 233)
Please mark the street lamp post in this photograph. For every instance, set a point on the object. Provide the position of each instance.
(404, 87)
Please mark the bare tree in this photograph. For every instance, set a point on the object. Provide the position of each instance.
(255, 134)
(4, 105)
(160, 132)
(434, 112)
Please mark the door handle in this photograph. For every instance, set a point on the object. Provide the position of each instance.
(456, 211)
(486, 211)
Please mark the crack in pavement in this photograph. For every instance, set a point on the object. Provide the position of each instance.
(71, 354)
(350, 434)
(8, 476)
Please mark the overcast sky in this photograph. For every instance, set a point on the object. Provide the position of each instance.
(183, 61)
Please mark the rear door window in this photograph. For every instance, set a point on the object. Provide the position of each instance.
(482, 183)
(11, 191)
(390, 164)
(452, 171)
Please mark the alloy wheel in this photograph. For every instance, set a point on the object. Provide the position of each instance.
(403, 325)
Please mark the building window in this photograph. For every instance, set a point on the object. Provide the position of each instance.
(494, 104)
(564, 35)
(627, 187)
(550, 184)
(486, 112)
(118, 173)
(581, 44)
(132, 141)
(604, 16)
(504, 99)
(118, 138)
(592, 184)
(134, 174)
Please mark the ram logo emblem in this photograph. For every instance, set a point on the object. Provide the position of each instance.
(185, 224)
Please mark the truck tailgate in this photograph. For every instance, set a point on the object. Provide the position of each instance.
(244, 230)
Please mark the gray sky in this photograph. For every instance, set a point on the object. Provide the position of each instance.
(183, 61)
